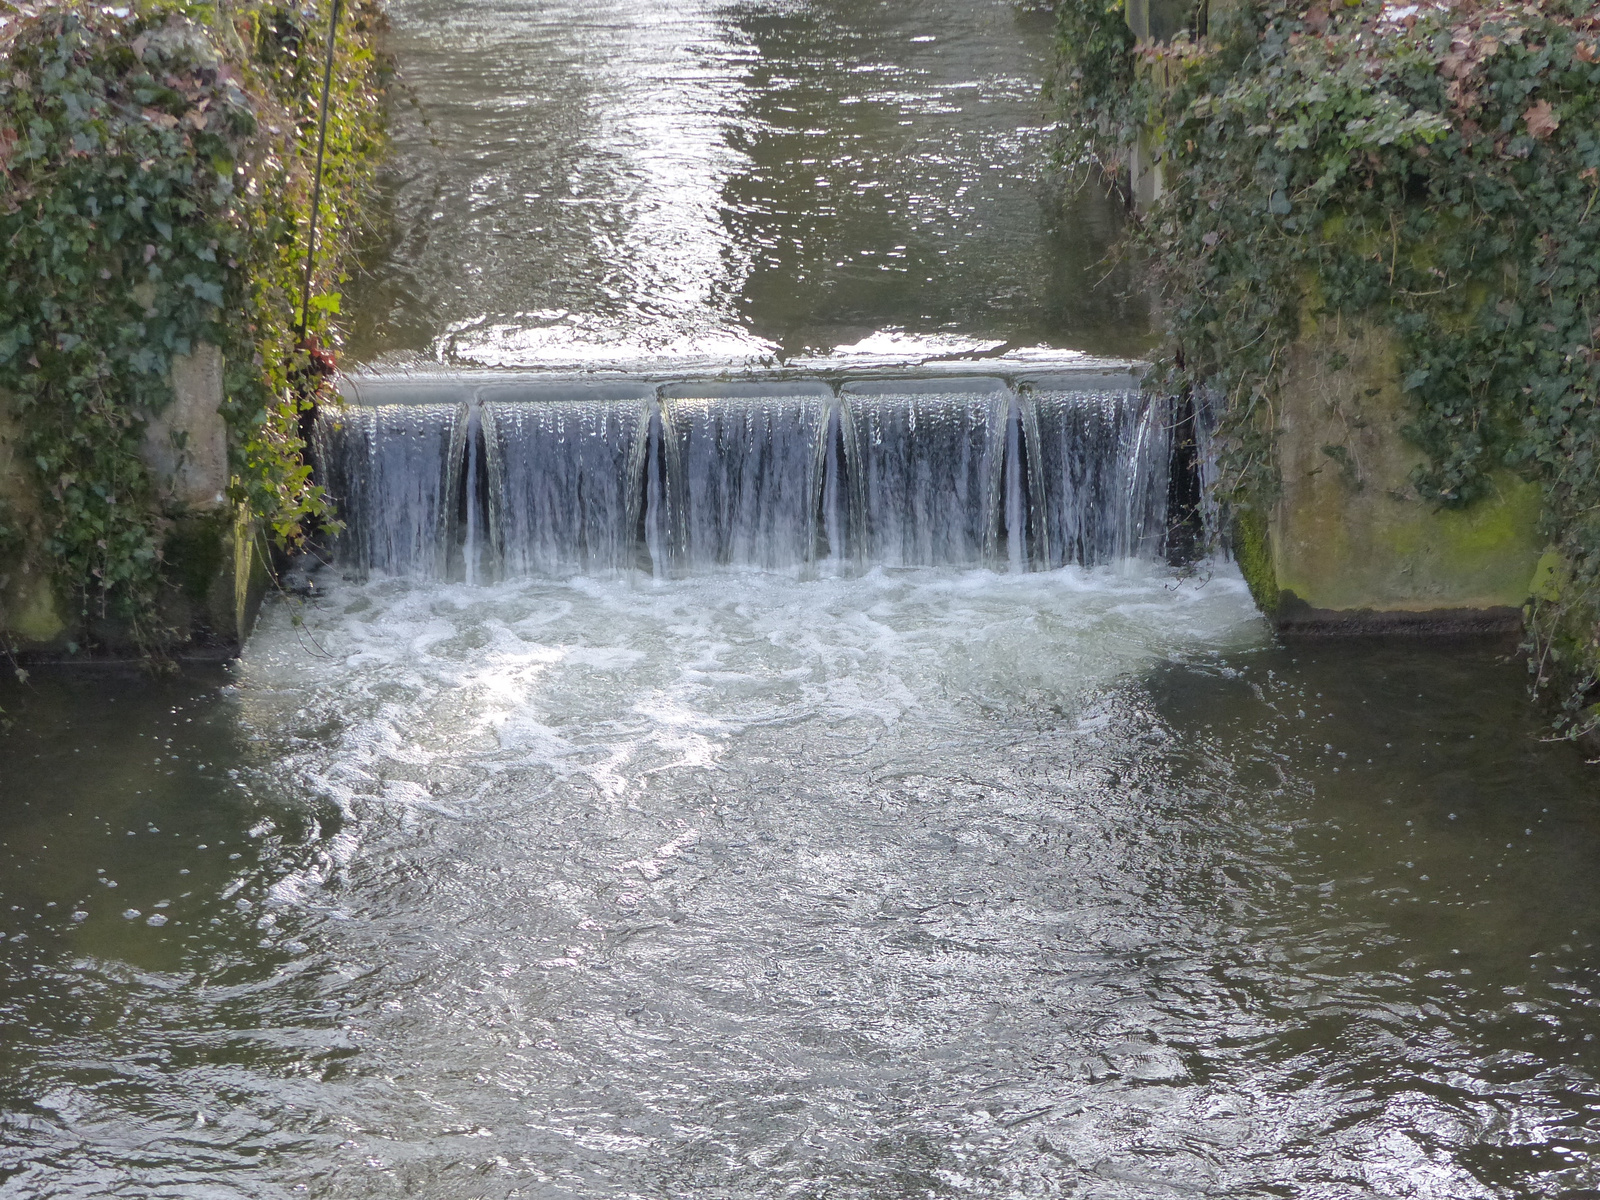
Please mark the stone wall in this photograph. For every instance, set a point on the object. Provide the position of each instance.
(1350, 545)
(214, 566)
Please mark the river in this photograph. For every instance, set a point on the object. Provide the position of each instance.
(912, 881)
(609, 182)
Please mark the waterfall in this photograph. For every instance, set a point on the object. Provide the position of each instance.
(393, 470)
(539, 479)
(562, 477)
(472, 510)
(1098, 461)
(747, 465)
(929, 464)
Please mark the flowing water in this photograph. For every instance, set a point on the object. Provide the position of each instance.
(590, 183)
(919, 883)
(810, 783)
(544, 477)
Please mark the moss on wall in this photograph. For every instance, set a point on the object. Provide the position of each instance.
(1252, 550)
(194, 553)
(30, 613)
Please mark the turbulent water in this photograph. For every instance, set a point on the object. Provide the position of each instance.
(917, 883)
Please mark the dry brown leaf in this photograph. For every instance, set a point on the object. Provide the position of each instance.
(1542, 121)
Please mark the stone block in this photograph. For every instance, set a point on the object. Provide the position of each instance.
(1352, 545)
(186, 443)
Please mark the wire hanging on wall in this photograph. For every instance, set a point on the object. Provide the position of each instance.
(316, 186)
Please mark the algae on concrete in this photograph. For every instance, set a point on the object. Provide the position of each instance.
(1349, 534)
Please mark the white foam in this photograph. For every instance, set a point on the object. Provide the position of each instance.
(611, 682)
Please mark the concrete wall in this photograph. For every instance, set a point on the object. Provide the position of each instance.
(1351, 545)
(214, 559)
(186, 443)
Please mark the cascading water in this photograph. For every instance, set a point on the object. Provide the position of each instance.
(1099, 460)
(394, 468)
(929, 454)
(747, 465)
(561, 479)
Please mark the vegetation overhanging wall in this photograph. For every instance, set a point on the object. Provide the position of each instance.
(1428, 175)
(155, 187)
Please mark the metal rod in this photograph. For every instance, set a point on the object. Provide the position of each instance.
(316, 187)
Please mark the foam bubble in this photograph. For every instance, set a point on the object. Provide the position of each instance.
(614, 681)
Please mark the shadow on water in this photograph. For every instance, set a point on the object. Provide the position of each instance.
(1419, 948)
(144, 994)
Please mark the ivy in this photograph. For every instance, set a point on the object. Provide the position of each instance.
(1094, 81)
(154, 192)
(1431, 170)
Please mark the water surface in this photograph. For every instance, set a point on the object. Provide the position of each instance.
(606, 183)
(923, 883)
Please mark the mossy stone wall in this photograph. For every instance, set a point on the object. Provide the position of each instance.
(159, 164)
(1351, 544)
(214, 568)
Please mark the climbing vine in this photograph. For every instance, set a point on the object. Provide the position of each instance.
(154, 194)
(1430, 169)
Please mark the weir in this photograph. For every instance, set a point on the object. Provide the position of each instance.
(476, 478)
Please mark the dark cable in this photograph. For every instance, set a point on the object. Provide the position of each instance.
(316, 187)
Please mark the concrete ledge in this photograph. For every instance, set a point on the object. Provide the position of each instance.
(1295, 618)
(1065, 372)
